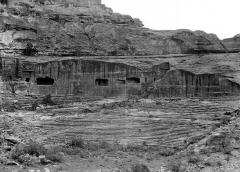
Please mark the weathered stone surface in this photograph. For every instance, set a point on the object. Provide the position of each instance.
(166, 75)
(84, 76)
(205, 75)
(87, 27)
(185, 83)
(232, 44)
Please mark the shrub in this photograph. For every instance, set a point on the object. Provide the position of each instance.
(176, 166)
(207, 163)
(77, 142)
(215, 126)
(31, 148)
(194, 139)
(228, 158)
(34, 106)
(47, 100)
(131, 147)
(212, 162)
(75, 151)
(92, 146)
(55, 154)
(31, 152)
(219, 163)
(228, 149)
(194, 159)
(140, 167)
(144, 143)
(34, 148)
(167, 152)
(225, 120)
(104, 145)
(95, 146)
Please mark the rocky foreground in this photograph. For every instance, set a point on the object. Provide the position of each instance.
(122, 135)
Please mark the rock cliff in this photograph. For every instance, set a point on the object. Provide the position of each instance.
(200, 75)
(87, 27)
(232, 44)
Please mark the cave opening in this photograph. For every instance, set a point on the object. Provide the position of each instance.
(133, 80)
(30, 50)
(27, 79)
(101, 82)
(45, 81)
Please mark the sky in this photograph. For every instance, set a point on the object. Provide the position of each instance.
(212, 16)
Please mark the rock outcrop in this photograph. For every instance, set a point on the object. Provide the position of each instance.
(87, 27)
(185, 83)
(202, 75)
(232, 44)
(161, 76)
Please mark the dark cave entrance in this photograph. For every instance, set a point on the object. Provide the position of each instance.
(134, 80)
(45, 81)
(29, 50)
(101, 82)
(27, 79)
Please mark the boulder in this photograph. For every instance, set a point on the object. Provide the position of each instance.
(44, 160)
(13, 140)
(219, 141)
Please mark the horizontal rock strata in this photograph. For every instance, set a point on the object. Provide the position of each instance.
(87, 27)
(170, 75)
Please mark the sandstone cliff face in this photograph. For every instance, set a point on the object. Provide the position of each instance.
(188, 84)
(200, 76)
(90, 76)
(232, 44)
(164, 76)
(86, 27)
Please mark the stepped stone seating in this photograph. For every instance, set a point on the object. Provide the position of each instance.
(165, 127)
